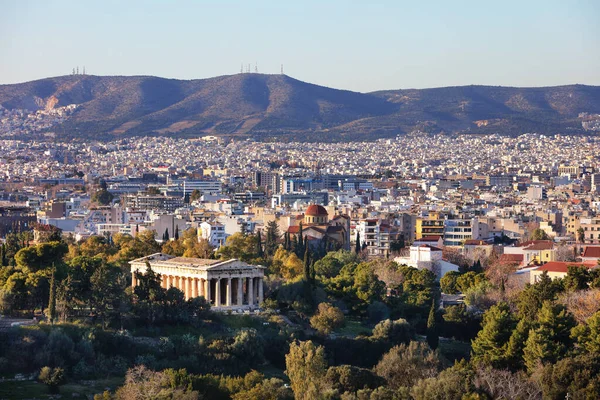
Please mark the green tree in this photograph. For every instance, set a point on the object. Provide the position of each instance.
(578, 278)
(395, 332)
(539, 234)
(581, 235)
(531, 299)
(448, 282)
(307, 265)
(52, 377)
(195, 195)
(52, 298)
(405, 365)
(306, 367)
(551, 339)
(271, 238)
(490, 345)
(433, 338)
(357, 247)
(327, 319)
(103, 197)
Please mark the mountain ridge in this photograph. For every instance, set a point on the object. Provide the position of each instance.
(278, 106)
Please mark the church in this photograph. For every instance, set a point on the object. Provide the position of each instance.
(317, 227)
(228, 285)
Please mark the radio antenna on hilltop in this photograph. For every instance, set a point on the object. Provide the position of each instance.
(281, 69)
(256, 67)
(248, 69)
(242, 69)
(78, 70)
(84, 70)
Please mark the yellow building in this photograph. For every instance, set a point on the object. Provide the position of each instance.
(432, 225)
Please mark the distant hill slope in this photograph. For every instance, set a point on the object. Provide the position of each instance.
(277, 105)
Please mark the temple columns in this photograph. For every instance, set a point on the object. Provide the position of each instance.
(260, 291)
(250, 290)
(228, 293)
(240, 291)
(217, 292)
(194, 287)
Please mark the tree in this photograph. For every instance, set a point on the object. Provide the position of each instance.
(176, 235)
(52, 297)
(539, 234)
(531, 299)
(357, 247)
(578, 278)
(454, 383)
(103, 197)
(271, 238)
(405, 365)
(259, 249)
(327, 319)
(551, 340)
(433, 338)
(307, 264)
(3, 258)
(195, 195)
(52, 377)
(581, 235)
(490, 345)
(395, 332)
(448, 282)
(306, 367)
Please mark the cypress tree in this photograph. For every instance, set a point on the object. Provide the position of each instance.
(300, 239)
(357, 247)
(166, 238)
(306, 265)
(176, 232)
(52, 298)
(259, 251)
(3, 262)
(433, 338)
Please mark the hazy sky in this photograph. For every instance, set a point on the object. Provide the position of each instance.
(356, 45)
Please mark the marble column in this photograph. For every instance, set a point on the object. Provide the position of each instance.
(260, 291)
(133, 280)
(202, 284)
(250, 291)
(195, 287)
(217, 292)
(207, 290)
(228, 293)
(240, 293)
(188, 288)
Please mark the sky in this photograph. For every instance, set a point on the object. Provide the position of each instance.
(356, 45)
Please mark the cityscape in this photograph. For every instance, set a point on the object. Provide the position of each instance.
(255, 236)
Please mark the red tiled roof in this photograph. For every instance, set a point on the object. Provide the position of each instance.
(563, 266)
(511, 258)
(475, 242)
(294, 229)
(431, 238)
(592, 252)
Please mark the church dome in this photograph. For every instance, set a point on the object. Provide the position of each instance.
(315, 210)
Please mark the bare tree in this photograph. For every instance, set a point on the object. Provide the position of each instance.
(582, 303)
(503, 384)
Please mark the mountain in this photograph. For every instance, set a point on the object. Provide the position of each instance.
(266, 106)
